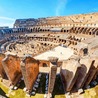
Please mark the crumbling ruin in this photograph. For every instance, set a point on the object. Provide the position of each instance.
(68, 48)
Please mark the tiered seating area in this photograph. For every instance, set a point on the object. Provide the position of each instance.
(20, 60)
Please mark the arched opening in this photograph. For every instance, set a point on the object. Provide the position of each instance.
(36, 30)
(44, 65)
(97, 33)
(85, 50)
(90, 33)
(61, 30)
(40, 29)
(64, 30)
(45, 44)
(31, 30)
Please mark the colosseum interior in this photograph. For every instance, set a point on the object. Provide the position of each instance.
(54, 56)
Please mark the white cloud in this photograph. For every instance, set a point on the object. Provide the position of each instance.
(7, 24)
(6, 21)
(7, 18)
(60, 7)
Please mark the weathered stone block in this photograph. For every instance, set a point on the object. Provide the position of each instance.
(69, 73)
(52, 73)
(86, 64)
(92, 73)
(11, 64)
(2, 72)
(30, 70)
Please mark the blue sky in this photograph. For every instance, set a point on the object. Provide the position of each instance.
(16, 9)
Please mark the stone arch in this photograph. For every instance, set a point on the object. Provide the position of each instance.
(64, 30)
(90, 33)
(97, 33)
(36, 29)
(31, 30)
(67, 31)
(61, 30)
(44, 65)
(40, 29)
(85, 51)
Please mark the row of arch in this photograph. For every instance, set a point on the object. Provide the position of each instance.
(82, 30)
(77, 30)
(13, 30)
(47, 30)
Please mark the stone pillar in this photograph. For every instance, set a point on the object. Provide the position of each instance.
(69, 73)
(52, 74)
(30, 70)
(84, 72)
(11, 65)
(2, 72)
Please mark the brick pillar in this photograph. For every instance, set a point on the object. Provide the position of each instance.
(2, 71)
(30, 70)
(11, 65)
(52, 74)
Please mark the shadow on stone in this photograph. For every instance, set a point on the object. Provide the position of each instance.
(2, 94)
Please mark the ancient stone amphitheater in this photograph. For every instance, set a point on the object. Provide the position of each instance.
(53, 55)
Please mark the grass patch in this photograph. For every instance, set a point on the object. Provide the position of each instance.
(3, 87)
(90, 93)
(16, 93)
(59, 96)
